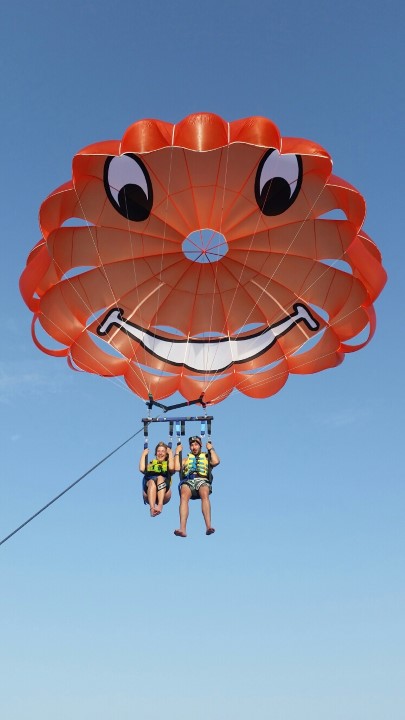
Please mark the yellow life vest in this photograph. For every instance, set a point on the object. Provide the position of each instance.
(156, 467)
(197, 464)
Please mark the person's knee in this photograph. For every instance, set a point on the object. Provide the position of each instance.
(185, 493)
(204, 492)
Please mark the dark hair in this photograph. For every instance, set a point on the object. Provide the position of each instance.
(195, 438)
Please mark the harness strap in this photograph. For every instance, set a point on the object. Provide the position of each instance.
(146, 441)
(178, 434)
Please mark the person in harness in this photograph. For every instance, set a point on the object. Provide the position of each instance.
(195, 481)
(157, 478)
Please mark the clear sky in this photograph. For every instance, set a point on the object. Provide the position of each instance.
(294, 609)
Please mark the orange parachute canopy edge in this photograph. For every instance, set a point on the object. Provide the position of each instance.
(202, 257)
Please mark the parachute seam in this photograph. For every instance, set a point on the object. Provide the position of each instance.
(284, 254)
(263, 381)
(85, 351)
(216, 264)
(155, 316)
(228, 312)
(163, 243)
(132, 259)
(104, 269)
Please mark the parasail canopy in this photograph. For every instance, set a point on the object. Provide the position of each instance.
(203, 257)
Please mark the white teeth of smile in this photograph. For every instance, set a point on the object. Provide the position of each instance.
(207, 356)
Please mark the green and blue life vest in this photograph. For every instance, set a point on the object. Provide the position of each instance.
(197, 464)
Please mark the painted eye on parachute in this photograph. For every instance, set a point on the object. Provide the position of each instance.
(278, 181)
(128, 186)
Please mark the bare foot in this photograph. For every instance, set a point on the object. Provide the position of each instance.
(180, 533)
(154, 512)
(210, 531)
(159, 509)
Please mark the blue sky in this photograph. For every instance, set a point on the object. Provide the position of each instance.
(294, 608)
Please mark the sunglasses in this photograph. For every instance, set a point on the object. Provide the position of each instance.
(194, 438)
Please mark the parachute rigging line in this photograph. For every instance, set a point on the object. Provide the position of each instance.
(48, 504)
(167, 408)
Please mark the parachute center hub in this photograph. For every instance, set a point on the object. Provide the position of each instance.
(205, 246)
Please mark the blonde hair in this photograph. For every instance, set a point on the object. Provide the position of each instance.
(162, 444)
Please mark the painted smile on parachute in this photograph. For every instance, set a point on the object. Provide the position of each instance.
(215, 355)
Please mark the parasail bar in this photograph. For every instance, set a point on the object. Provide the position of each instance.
(178, 419)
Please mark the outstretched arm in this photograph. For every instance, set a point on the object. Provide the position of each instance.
(179, 448)
(170, 460)
(142, 461)
(214, 458)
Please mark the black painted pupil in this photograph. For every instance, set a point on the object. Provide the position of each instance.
(134, 203)
(275, 196)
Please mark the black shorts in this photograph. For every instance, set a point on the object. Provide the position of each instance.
(154, 477)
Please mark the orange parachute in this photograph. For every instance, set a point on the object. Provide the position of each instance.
(202, 257)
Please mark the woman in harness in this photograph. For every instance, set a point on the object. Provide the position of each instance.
(157, 478)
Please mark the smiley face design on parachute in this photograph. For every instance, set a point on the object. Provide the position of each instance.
(207, 256)
(129, 189)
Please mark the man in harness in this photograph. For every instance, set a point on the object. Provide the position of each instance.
(195, 481)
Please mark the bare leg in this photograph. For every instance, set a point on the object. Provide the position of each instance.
(160, 495)
(151, 493)
(185, 495)
(204, 493)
